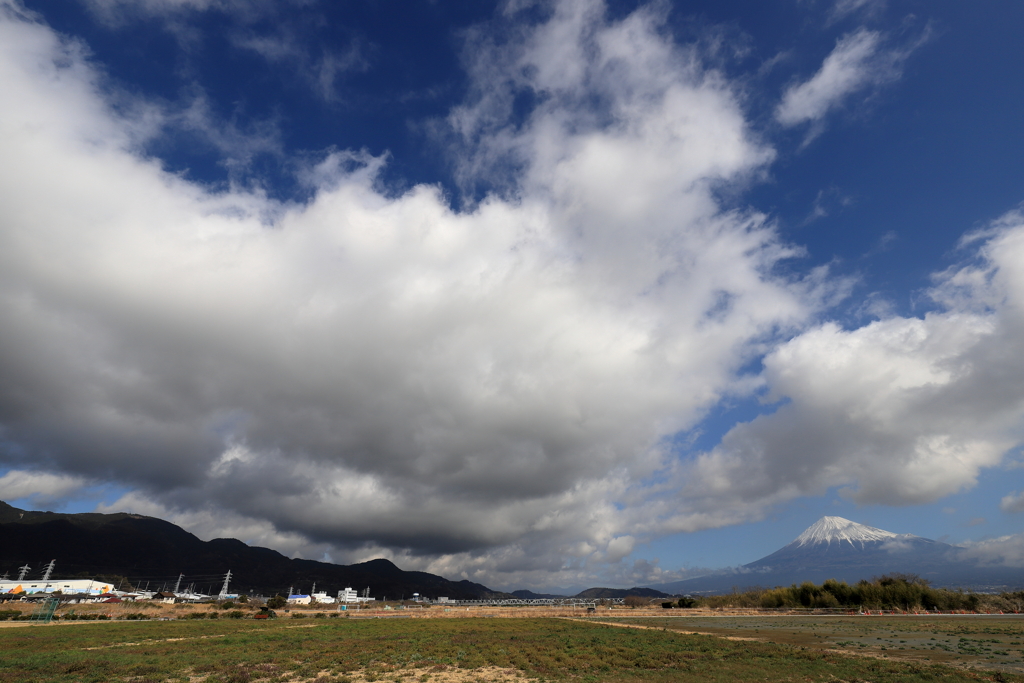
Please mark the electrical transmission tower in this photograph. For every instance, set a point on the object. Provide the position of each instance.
(177, 584)
(49, 570)
(227, 577)
(23, 571)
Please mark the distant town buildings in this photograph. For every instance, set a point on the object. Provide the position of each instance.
(91, 590)
(347, 596)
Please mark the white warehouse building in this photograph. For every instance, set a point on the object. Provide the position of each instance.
(63, 586)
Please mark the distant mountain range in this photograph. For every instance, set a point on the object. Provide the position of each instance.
(530, 595)
(150, 550)
(836, 548)
(607, 593)
(146, 549)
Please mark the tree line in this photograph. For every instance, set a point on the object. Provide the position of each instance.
(889, 592)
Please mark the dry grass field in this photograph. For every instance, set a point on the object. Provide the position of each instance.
(976, 642)
(420, 649)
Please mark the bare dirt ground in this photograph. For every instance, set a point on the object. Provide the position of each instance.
(438, 674)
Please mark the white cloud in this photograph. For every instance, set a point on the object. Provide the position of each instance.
(236, 146)
(482, 391)
(900, 411)
(42, 488)
(845, 8)
(1006, 551)
(317, 64)
(209, 522)
(619, 547)
(1013, 502)
(117, 11)
(858, 62)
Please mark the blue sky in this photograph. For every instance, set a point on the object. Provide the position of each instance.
(537, 294)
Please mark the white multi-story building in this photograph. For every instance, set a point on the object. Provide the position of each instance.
(349, 595)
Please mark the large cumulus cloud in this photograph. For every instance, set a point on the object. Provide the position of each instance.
(900, 411)
(487, 386)
(483, 389)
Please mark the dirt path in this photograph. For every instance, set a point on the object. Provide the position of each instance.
(673, 630)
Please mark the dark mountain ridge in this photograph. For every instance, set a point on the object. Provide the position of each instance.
(147, 549)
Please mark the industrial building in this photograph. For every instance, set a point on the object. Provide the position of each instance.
(63, 586)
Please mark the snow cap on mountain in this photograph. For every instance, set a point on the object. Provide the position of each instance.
(828, 529)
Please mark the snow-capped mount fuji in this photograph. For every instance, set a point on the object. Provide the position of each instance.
(841, 548)
(836, 529)
(836, 548)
